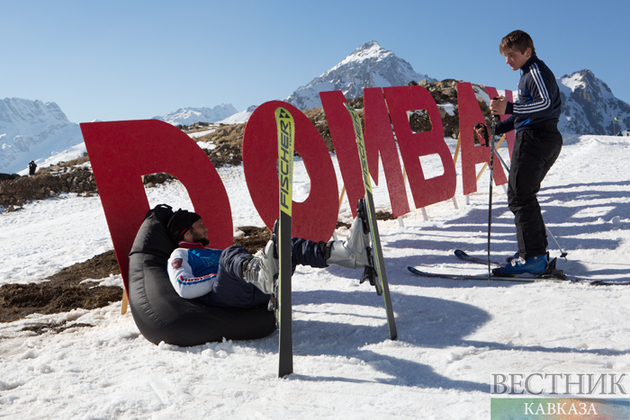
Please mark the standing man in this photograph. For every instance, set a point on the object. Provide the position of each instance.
(538, 143)
(32, 167)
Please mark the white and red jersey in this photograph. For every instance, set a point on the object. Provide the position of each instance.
(192, 269)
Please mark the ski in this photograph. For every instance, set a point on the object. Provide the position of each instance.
(462, 255)
(484, 277)
(376, 273)
(421, 273)
(286, 139)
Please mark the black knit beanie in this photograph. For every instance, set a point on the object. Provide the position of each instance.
(180, 222)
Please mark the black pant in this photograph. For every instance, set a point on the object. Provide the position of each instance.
(230, 290)
(535, 151)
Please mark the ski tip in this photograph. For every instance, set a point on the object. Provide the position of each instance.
(414, 270)
(460, 253)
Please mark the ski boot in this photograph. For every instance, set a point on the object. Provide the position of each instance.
(273, 305)
(539, 266)
(355, 252)
(262, 271)
(533, 265)
(351, 253)
(511, 258)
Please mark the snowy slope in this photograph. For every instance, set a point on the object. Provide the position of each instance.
(452, 335)
(239, 117)
(33, 130)
(189, 116)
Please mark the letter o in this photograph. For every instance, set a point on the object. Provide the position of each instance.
(316, 217)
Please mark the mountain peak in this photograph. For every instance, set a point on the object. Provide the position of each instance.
(371, 46)
(368, 66)
(369, 51)
(589, 106)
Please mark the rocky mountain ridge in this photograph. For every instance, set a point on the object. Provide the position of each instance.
(589, 106)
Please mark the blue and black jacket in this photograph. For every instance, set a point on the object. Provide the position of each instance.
(538, 99)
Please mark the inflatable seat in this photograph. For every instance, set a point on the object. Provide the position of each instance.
(162, 315)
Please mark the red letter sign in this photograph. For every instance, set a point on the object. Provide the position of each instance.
(121, 152)
(379, 138)
(414, 145)
(469, 115)
(510, 137)
(342, 134)
(316, 217)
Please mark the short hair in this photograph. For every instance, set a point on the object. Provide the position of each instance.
(518, 41)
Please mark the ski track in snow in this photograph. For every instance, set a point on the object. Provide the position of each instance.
(453, 335)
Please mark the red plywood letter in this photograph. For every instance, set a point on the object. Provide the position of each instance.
(510, 137)
(121, 152)
(316, 217)
(342, 134)
(469, 115)
(379, 139)
(412, 145)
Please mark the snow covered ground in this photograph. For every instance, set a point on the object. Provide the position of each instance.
(453, 335)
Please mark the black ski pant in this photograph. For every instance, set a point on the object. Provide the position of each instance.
(230, 290)
(535, 151)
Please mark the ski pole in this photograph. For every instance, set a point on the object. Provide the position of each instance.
(494, 128)
(563, 253)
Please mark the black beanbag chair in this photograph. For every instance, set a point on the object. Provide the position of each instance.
(162, 315)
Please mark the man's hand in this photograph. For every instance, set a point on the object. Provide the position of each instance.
(498, 105)
(482, 133)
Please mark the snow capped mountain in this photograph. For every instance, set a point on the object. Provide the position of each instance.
(589, 106)
(189, 116)
(33, 130)
(370, 65)
(239, 117)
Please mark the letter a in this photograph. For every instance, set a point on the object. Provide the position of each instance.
(469, 115)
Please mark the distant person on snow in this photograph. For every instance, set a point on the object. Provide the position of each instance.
(235, 278)
(32, 167)
(535, 117)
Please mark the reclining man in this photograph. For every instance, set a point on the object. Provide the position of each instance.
(233, 277)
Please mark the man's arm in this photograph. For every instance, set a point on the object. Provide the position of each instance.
(537, 87)
(183, 279)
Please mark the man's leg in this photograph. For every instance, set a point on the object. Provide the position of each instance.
(307, 252)
(531, 161)
(532, 158)
(262, 271)
(229, 288)
(351, 253)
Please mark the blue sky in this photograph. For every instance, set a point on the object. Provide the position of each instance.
(119, 60)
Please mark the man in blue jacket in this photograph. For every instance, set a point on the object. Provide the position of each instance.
(538, 143)
(233, 277)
